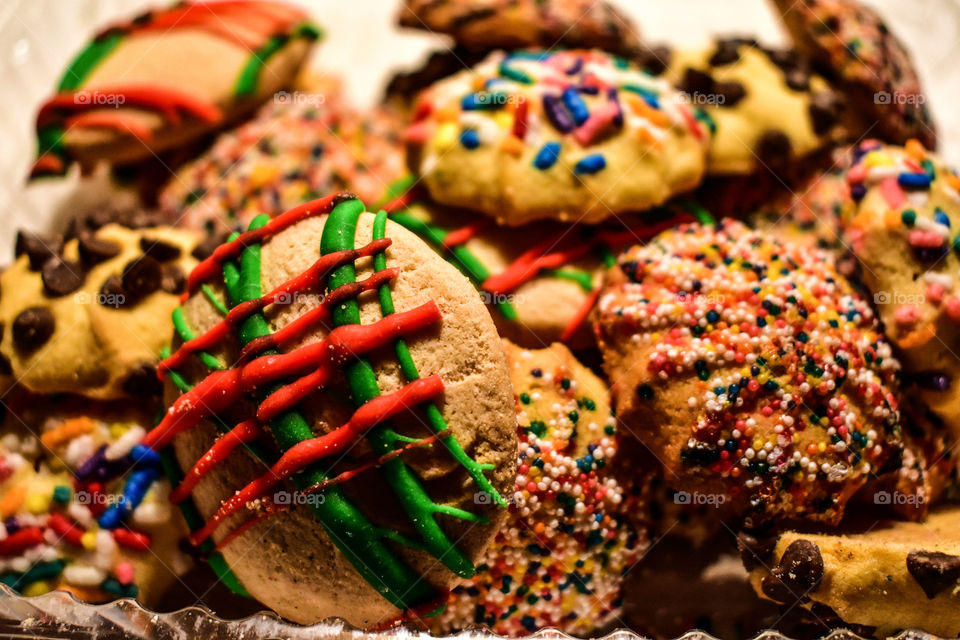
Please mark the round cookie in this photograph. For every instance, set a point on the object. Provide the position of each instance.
(851, 45)
(560, 558)
(540, 280)
(751, 369)
(91, 319)
(82, 510)
(884, 577)
(483, 25)
(527, 136)
(901, 227)
(298, 147)
(769, 109)
(389, 430)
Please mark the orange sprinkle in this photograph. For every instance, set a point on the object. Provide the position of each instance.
(69, 430)
(512, 144)
(539, 527)
(11, 502)
(916, 149)
(892, 220)
(641, 108)
(919, 337)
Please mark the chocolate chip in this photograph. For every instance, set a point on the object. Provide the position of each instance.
(799, 571)
(727, 52)
(61, 276)
(143, 381)
(655, 60)
(786, 59)
(206, 248)
(825, 109)
(696, 81)
(37, 248)
(797, 79)
(933, 571)
(141, 277)
(32, 328)
(94, 250)
(732, 93)
(755, 551)
(173, 279)
(112, 293)
(5, 367)
(159, 250)
(773, 149)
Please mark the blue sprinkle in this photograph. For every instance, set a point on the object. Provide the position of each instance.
(648, 96)
(590, 164)
(940, 216)
(470, 139)
(483, 100)
(547, 156)
(913, 180)
(576, 105)
(138, 483)
(144, 455)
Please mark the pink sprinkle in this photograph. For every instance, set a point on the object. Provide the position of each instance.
(935, 292)
(925, 239)
(857, 173)
(953, 308)
(418, 133)
(907, 315)
(892, 192)
(598, 122)
(125, 573)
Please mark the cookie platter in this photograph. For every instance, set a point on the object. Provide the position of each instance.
(570, 318)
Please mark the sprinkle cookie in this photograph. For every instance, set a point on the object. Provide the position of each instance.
(574, 136)
(559, 559)
(357, 471)
(751, 369)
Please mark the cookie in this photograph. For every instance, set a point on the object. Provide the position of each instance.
(136, 89)
(540, 280)
(855, 49)
(769, 109)
(91, 319)
(84, 510)
(886, 577)
(559, 559)
(528, 136)
(482, 25)
(297, 148)
(399, 435)
(751, 369)
(901, 227)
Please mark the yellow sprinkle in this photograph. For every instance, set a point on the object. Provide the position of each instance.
(822, 447)
(262, 174)
(446, 136)
(117, 429)
(757, 444)
(877, 159)
(503, 119)
(37, 588)
(37, 503)
(89, 540)
(534, 471)
(763, 378)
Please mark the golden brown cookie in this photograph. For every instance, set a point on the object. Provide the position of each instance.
(887, 576)
(137, 89)
(91, 319)
(483, 25)
(575, 136)
(751, 369)
(559, 559)
(369, 388)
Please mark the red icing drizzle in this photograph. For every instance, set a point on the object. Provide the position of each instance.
(243, 433)
(116, 121)
(464, 234)
(310, 451)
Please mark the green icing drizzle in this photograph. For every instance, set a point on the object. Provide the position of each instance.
(249, 77)
(87, 60)
(581, 277)
(180, 326)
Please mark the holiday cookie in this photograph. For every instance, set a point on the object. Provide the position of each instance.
(886, 576)
(376, 458)
(768, 108)
(485, 25)
(901, 226)
(539, 281)
(570, 135)
(559, 560)
(751, 369)
(853, 47)
(84, 508)
(137, 89)
(298, 147)
(90, 318)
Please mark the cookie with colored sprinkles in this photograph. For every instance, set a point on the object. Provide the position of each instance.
(539, 281)
(768, 108)
(751, 369)
(136, 90)
(90, 318)
(887, 576)
(480, 25)
(341, 410)
(576, 136)
(559, 559)
(296, 149)
(902, 228)
(84, 508)
(851, 45)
